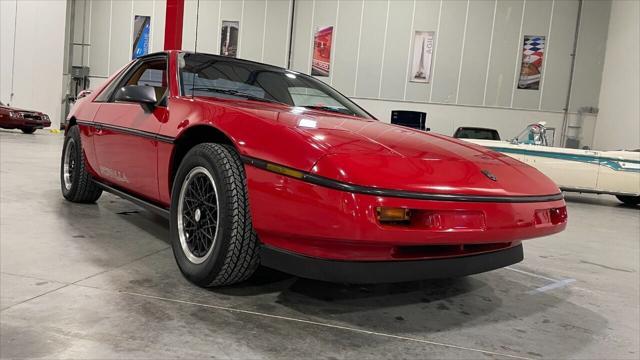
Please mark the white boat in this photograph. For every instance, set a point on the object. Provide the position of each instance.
(584, 171)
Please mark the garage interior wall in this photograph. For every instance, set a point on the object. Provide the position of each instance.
(264, 27)
(618, 124)
(26, 79)
(476, 58)
(476, 55)
(107, 24)
(106, 28)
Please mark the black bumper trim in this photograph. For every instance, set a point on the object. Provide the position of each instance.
(372, 272)
(342, 186)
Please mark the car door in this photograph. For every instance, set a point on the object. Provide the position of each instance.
(125, 140)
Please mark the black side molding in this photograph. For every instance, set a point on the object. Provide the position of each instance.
(126, 130)
(372, 272)
(342, 186)
(136, 200)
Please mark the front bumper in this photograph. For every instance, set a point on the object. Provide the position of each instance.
(320, 222)
(17, 123)
(370, 272)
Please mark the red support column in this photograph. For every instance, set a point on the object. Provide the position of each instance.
(173, 25)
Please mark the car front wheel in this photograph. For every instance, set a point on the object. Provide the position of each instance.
(212, 235)
(28, 130)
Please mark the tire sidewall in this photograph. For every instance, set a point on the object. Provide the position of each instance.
(72, 136)
(204, 273)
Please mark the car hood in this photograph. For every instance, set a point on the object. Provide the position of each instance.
(390, 157)
(371, 153)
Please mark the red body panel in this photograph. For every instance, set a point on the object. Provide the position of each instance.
(128, 160)
(318, 221)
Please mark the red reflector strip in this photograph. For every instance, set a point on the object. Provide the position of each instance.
(551, 216)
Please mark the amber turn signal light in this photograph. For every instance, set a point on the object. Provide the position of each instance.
(392, 214)
(285, 171)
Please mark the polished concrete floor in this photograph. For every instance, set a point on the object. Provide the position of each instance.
(99, 281)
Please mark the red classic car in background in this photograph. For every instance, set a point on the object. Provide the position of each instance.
(255, 164)
(26, 120)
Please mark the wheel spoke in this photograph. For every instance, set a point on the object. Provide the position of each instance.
(198, 209)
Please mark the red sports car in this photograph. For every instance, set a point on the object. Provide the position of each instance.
(255, 164)
(26, 120)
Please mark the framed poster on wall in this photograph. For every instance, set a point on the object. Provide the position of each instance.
(321, 63)
(422, 53)
(532, 57)
(141, 32)
(229, 38)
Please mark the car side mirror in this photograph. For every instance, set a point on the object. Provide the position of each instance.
(144, 95)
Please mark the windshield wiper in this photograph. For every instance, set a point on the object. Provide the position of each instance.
(239, 94)
(330, 109)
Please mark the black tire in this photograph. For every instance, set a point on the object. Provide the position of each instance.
(28, 130)
(232, 255)
(79, 187)
(629, 200)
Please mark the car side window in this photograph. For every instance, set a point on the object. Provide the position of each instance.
(109, 90)
(152, 72)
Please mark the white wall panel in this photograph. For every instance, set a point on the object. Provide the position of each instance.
(371, 48)
(619, 118)
(253, 27)
(446, 65)
(189, 25)
(346, 45)
(504, 53)
(475, 58)
(592, 39)
(209, 27)
(157, 25)
(99, 38)
(33, 81)
(275, 42)
(557, 67)
(121, 34)
(7, 32)
(394, 65)
(302, 36)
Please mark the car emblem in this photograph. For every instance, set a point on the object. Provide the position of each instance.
(488, 174)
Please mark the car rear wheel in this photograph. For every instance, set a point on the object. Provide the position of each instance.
(212, 236)
(76, 183)
(629, 200)
(28, 130)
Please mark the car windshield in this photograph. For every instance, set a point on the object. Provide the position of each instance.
(477, 133)
(534, 134)
(215, 76)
